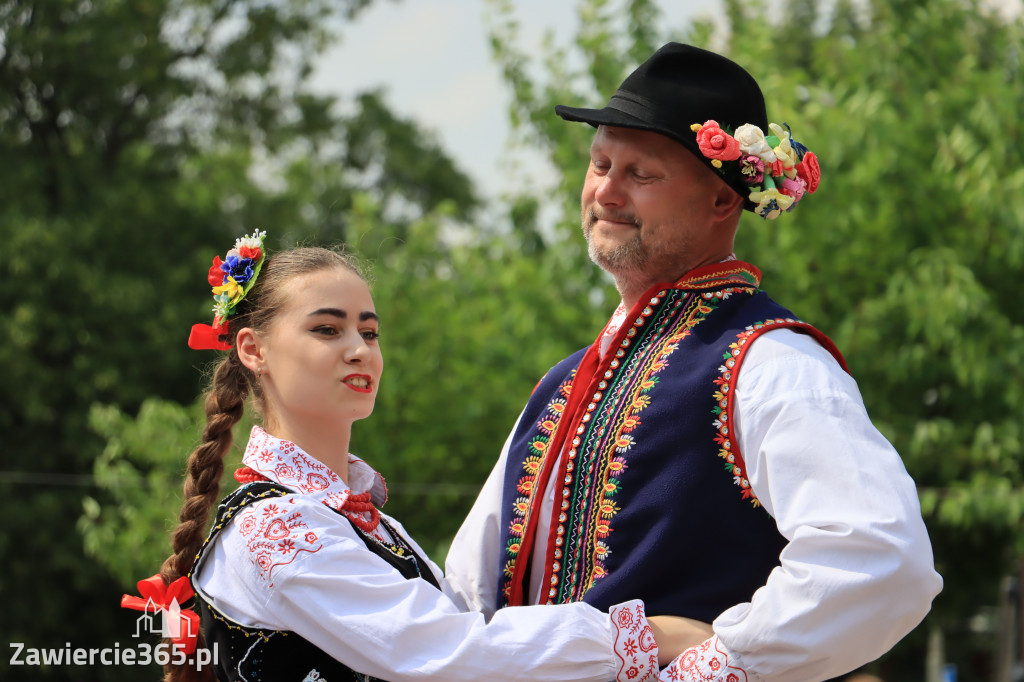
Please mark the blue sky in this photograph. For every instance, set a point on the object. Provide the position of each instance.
(433, 60)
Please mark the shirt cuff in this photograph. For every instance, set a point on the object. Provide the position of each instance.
(635, 646)
(706, 662)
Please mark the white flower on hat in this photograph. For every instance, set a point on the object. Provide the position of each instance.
(751, 139)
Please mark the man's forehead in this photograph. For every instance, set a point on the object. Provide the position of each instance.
(641, 142)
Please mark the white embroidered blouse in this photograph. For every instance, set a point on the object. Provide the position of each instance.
(293, 563)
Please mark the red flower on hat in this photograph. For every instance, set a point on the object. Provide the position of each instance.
(808, 170)
(715, 143)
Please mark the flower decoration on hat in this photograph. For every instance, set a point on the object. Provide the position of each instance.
(777, 169)
(231, 279)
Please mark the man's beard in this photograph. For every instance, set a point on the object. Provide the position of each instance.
(629, 256)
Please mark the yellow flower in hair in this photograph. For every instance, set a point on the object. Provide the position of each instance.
(231, 288)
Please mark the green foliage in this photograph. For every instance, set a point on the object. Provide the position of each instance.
(138, 139)
(906, 254)
(141, 470)
(465, 338)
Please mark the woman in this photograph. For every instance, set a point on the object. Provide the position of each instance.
(301, 576)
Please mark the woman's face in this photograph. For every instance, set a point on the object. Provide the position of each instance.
(321, 359)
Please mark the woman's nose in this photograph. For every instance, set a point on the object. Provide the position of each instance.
(357, 351)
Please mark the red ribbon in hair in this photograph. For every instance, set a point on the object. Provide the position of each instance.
(206, 337)
(181, 625)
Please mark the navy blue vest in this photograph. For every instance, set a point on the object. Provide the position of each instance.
(247, 653)
(651, 499)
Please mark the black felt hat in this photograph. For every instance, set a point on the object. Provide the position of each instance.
(680, 85)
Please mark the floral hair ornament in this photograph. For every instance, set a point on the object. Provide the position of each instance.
(777, 169)
(231, 279)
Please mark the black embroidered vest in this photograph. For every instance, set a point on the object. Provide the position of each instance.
(651, 500)
(251, 654)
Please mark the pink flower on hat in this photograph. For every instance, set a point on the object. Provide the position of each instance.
(793, 188)
(752, 168)
(715, 143)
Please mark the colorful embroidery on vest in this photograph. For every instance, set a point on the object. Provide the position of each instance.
(531, 467)
(598, 452)
(728, 448)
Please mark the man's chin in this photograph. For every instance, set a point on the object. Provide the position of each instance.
(618, 260)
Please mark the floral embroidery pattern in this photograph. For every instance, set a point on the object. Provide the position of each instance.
(531, 468)
(284, 462)
(606, 435)
(275, 535)
(706, 662)
(728, 448)
(603, 434)
(635, 646)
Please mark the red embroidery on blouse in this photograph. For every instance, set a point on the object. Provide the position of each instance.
(635, 646)
(706, 662)
(275, 535)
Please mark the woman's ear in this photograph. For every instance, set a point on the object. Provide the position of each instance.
(250, 348)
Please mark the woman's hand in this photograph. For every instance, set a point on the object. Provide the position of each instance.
(676, 634)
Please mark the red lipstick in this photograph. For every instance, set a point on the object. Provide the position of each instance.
(368, 388)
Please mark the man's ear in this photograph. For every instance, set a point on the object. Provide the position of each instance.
(250, 348)
(727, 202)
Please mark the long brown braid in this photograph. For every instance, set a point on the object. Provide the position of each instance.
(224, 405)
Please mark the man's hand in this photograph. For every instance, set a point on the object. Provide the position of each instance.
(676, 634)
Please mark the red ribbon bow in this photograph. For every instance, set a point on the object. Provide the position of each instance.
(205, 337)
(158, 596)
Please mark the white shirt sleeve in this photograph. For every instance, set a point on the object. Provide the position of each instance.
(330, 589)
(857, 573)
(472, 567)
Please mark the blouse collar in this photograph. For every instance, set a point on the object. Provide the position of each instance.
(284, 462)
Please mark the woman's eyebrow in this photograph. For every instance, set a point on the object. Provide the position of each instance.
(333, 312)
(339, 313)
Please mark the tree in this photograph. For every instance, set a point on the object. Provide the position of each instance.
(138, 139)
(905, 256)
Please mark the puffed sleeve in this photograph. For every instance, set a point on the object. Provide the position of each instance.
(857, 573)
(473, 565)
(318, 579)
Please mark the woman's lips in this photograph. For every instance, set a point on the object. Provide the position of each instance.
(361, 383)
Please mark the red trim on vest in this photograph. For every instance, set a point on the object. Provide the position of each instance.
(748, 341)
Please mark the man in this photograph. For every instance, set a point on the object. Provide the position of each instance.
(709, 453)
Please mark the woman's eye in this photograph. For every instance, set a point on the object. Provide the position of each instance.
(371, 335)
(325, 331)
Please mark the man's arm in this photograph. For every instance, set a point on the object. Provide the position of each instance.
(857, 574)
(473, 565)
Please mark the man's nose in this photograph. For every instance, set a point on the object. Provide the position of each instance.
(609, 190)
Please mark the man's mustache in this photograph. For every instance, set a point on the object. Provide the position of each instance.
(593, 215)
